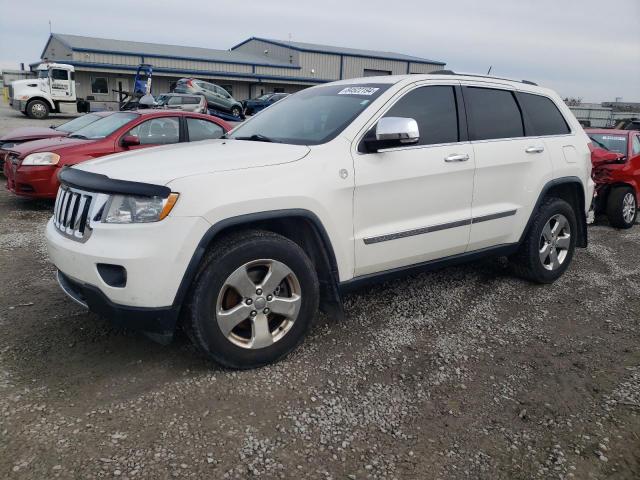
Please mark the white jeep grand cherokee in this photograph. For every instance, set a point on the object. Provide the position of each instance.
(244, 238)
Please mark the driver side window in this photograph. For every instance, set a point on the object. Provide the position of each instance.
(157, 131)
(434, 109)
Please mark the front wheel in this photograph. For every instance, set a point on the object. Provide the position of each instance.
(236, 111)
(37, 109)
(549, 244)
(253, 301)
(621, 207)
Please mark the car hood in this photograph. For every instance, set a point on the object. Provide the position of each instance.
(161, 165)
(47, 145)
(31, 133)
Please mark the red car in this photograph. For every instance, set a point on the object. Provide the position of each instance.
(615, 156)
(32, 168)
(28, 134)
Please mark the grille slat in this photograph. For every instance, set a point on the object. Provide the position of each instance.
(71, 213)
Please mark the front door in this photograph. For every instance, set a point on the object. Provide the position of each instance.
(413, 204)
(60, 81)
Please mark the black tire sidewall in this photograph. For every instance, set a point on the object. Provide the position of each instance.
(615, 204)
(547, 211)
(30, 109)
(211, 280)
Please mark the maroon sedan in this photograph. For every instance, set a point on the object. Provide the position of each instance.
(28, 134)
(32, 168)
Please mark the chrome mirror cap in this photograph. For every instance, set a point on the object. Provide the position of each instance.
(403, 130)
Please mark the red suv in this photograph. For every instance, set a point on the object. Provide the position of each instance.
(616, 170)
(32, 168)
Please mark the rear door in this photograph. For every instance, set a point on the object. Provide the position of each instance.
(509, 167)
(413, 204)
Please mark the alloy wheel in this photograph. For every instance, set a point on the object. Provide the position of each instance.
(629, 207)
(555, 241)
(258, 304)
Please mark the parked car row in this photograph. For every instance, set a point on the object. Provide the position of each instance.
(32, 167)
(242, 239)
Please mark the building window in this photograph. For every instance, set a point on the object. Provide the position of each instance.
(99, 85)
(228, 88)
(368, 72)
(278, 90)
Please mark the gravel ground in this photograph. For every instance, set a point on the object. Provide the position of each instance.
(462, 373)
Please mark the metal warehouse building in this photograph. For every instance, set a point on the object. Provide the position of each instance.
(252, 67)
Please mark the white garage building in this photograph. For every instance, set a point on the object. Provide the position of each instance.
(253, 67)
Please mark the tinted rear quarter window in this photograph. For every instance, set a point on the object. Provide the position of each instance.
(434, 109)
(543, 115)
(492, 113)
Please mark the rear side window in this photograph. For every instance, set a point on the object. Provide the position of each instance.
(544, 116)
(635, 148)
(434, 108)
(190, 100)
(200, 129)
(174, 101)
(492, 114)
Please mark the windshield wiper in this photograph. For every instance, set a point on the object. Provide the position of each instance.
(78, 136)
(257, 137)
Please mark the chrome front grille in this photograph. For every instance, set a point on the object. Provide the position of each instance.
(71, 214)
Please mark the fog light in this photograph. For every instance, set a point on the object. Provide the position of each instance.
(113, 275)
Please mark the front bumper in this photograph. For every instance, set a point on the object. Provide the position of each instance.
(31, 181)
(160, 322)
(154, 255)
(19, 105)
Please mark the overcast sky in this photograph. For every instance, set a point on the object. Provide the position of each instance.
(581, 48)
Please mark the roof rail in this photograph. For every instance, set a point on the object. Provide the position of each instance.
(451, 72)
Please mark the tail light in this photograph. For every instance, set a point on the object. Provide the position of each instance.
(190, 83)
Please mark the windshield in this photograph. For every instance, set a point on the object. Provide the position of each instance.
(43, 73)
(105, 126)
(264, 97)
(77, 123)
(613, 143)
(312, 116)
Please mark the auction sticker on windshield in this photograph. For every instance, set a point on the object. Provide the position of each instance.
(358, 91)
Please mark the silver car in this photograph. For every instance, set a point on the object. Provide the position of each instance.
(217, 97)
(180, 101)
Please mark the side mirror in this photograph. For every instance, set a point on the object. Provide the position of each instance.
(392, 132)
(130, 141)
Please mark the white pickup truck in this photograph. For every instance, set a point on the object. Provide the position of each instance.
(53, 91)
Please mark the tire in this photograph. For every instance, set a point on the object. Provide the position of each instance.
(241, 341)
(622, 207)
(236, 111)
(535, 260)
(38, 109)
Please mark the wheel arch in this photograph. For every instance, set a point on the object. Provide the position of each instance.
(571, 190)
(43, 99)
(299, 225)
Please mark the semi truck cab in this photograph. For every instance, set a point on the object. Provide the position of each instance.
(52, 91)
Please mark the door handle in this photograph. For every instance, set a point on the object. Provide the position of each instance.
(535, 150)
(456, 157)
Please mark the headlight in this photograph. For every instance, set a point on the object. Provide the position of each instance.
(23, 97)
(131, 209)
(41, 158)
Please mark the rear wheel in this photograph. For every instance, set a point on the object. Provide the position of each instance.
(37, 109)
(550, 243)
(621, 207)
(253, 301)
(236, 111)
